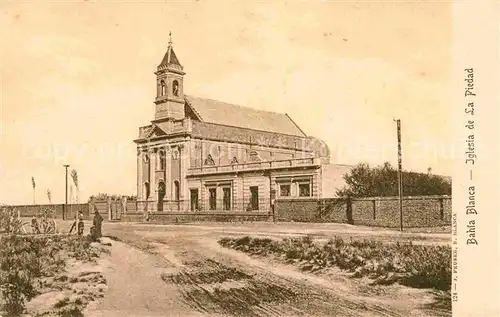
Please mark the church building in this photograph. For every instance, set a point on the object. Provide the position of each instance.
(206, 155)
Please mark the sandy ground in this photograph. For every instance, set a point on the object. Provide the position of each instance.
(180, 270)
(436, 236)
(80, 282)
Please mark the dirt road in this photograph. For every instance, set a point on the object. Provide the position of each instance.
(178, 272)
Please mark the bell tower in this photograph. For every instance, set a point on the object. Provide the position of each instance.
(169, 82)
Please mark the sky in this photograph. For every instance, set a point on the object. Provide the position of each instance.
(77, 80)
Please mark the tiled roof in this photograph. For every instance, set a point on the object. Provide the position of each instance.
(170, 58)
(219, 112)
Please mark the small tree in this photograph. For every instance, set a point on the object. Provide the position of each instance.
(74, 176)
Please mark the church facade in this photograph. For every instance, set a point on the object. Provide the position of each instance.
(203, 155)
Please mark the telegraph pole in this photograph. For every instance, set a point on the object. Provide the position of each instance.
(400, 175)
(66, 203)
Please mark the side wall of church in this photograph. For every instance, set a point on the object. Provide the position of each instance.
(243, 186)
(212, 131)
(225, 153)
(240, 188)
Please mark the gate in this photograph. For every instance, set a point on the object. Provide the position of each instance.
(115, 210)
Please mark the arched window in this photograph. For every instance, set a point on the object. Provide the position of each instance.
(175, 88)
(161, 190)
(163, 88)
(176, 190)
(209, 160)
(146, 190)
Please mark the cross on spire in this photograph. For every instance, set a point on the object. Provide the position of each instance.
(170, 38)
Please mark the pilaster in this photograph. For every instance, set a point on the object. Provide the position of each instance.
(139, 174)
(183, 157)
(152, 170)
(168, 173)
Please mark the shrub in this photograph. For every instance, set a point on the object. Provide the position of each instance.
(24, 259)
(411, 265)
(19, 266)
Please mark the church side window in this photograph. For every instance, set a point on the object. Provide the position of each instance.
(285, 190)
(226, 198)
(295, 186)
(304, 189)
(212, 198)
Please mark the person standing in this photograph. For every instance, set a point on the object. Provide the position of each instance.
(97, 224)
(80, 225)
(35, 229)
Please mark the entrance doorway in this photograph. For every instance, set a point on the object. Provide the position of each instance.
(161, 195)
(254, 198)
(194, 199)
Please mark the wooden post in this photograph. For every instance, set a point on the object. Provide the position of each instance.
(400, 174)
(374, 209)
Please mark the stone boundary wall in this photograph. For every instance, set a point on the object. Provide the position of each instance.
(204, 217)
(71, 209)
(418, 211)
(134, 213)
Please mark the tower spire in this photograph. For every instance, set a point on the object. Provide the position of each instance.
(170, 59)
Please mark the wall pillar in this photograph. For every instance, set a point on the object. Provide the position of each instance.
(184, 164)
(152, 179)
(108, 208)
(168, 173)
(139, 174)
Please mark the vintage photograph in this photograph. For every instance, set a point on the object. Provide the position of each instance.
(239, 158)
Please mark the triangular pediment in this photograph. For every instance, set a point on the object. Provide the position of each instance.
(155, 131)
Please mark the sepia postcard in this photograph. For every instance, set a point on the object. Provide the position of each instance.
(249, 158)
